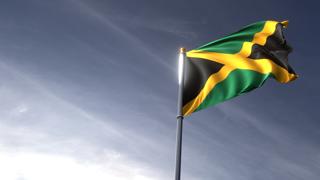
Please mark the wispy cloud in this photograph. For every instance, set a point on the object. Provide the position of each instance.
(175, 27)
(40, 131)
(32, 165)
(137, 43)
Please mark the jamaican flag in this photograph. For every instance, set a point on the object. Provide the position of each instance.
(236, 64)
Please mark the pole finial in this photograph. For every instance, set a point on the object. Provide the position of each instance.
(182, 50)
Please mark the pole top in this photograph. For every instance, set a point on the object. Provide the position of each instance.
(183, 50)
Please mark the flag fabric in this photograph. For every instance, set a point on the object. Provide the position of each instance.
(236, 64)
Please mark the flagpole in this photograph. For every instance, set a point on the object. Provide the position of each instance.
(182, 56)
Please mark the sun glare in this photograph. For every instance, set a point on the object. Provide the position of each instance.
(180, 70)
(34, 166)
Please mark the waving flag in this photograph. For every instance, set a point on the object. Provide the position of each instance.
(236, 64)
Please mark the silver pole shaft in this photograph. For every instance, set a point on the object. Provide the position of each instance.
(179, 147)
(180, 115)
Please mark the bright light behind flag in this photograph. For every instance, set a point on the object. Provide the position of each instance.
(180, 70)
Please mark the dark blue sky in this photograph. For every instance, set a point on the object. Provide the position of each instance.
(88, 90)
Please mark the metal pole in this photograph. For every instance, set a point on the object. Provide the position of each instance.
(179, 146)
(182, 56)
